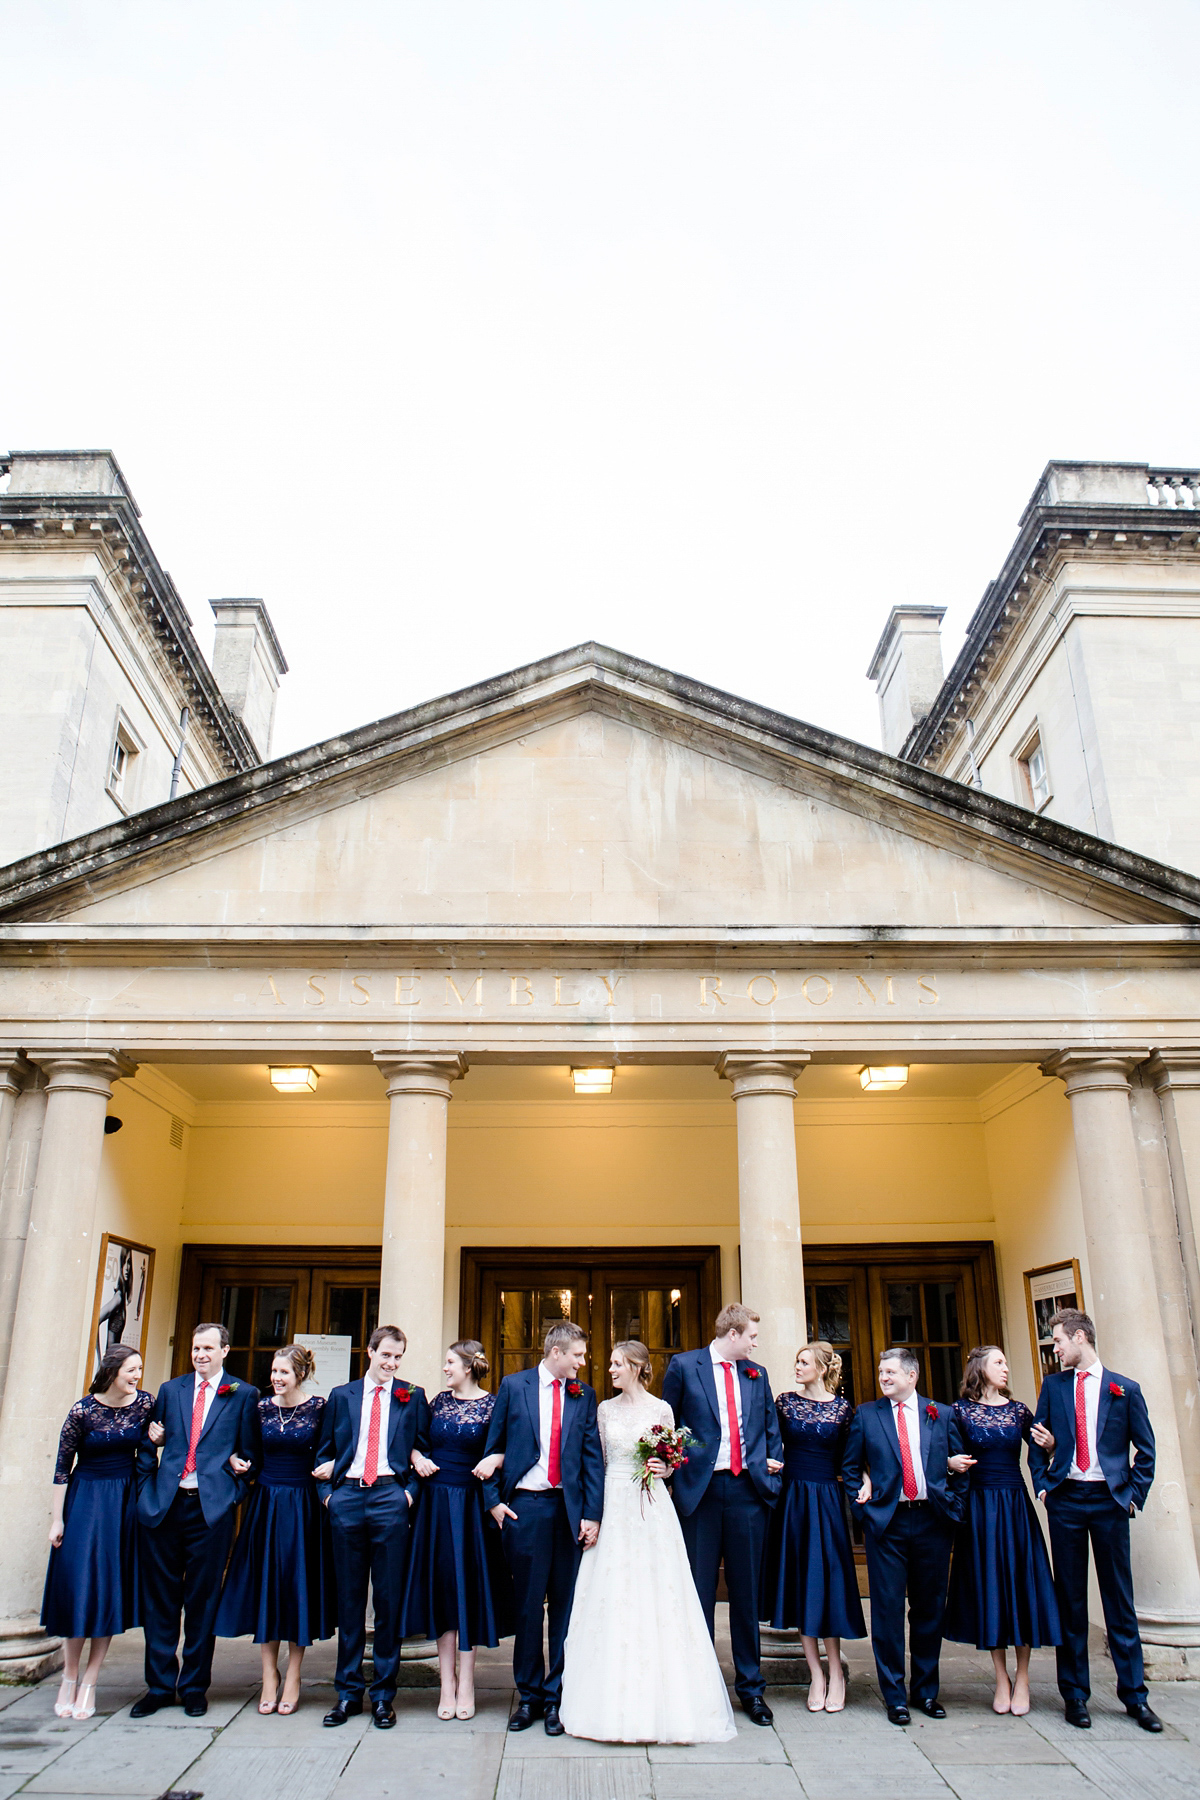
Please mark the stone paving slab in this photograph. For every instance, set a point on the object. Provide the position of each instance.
(238, 1772)
(710, 1781)
(1011, 1783)
(120, 1758)
(602, 1778)
(387, 1767)
(994, 1740)
(753, 1744)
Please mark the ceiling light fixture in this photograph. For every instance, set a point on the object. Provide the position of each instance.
(294, 1081)
(592, 1081)
(888, 1080)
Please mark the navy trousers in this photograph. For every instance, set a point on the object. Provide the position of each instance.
(1079, 1511)
(543, 1557)
(370, 1544)
(182, 1566)
(911, 1558)
(730, 1525)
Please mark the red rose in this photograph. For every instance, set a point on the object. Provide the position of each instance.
(750, 1374)
(931, 1411)
(226, 1387)
(574, 1389)
(1114, 1387)
(401, 1394)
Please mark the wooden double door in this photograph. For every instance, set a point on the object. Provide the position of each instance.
(264, 1295)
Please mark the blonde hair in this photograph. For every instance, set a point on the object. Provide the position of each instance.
(735, 1317)
(471, 1355)
(829, 1363)
(638, 1357)
(304, 1363)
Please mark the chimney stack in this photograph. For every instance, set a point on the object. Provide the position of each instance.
(907, 670)
(247, 663)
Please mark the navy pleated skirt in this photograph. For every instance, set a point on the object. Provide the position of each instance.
(1001, 1588)
(458, 1579)
(809, 1579)
(280, 1586)
(92, 1581)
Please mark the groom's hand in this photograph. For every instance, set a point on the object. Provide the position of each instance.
(589, 1531)
(502, 1512)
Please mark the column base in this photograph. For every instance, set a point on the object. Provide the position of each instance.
(26, 1652)
(783, 1661)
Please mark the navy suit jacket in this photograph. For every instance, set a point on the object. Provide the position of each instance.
(690, 1390)
(231, 1429)
(516, 1430)
(408, 1430)
(872, 1444)
(1122, 1423)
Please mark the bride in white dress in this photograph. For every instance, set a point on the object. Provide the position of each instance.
(640, 1665)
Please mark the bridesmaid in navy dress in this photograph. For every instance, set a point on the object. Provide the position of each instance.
(809, 1577)
(458, 1589)
(91, 1584)
(280, 1586)
(1001, 1588)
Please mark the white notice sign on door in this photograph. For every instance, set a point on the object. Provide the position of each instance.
(332, 1356)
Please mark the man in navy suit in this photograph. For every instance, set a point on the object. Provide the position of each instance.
(1088, 1420)
(188, 1492)
(365, 1476)
(909, 1500)
(725, 1489)
(547, 1500)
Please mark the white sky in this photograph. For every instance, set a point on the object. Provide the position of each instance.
(461, 331)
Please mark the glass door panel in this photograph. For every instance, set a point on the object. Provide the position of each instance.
(262, 1309)
(934, 1311)
(345, 1303)
(519, 1310)
(652, 1315)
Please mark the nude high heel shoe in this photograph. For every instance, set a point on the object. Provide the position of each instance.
(64, 1706)
(85, 1701)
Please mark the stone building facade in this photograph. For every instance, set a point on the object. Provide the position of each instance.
(443, 920)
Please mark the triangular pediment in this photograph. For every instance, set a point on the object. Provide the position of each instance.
(591, 792)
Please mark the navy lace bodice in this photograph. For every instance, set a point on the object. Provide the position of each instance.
(289, 1436)
(994, 1435)
(457, 1435)
(100, 1440)
(814, 1433)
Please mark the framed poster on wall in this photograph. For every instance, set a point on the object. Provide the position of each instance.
(1046, 1291)
(121, 1313)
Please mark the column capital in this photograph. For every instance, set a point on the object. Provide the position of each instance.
(414, 1072)
(84, 1071)
(753, 1072)
(14, 1066)
(1093, 1070)
(1174, 1069)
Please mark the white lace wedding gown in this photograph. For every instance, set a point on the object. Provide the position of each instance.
(640, 1666)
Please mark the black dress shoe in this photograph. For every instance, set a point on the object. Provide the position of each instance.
(1078, 1714)
(933, 1709)
(195, 1705)
(527, 1712)
(756, 1708)
(148, 1704)
(898, 1715)
(554, 1725)
(1149, 1721)
(383, 1714)
(345, 1709)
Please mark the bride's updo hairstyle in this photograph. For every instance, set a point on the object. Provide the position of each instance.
(829, 1363)
(304, 1363)
(639, 1358)
(471, 1355)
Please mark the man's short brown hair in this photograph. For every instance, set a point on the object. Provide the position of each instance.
(386, 1331)
(562, 1336)
(735, 1318)
(1072, 1320)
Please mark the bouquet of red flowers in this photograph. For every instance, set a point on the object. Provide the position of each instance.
(669, 1443)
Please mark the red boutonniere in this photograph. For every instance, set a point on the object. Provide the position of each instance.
(575, 1389)
(1114, 1387)
(750, 1374)
(401, 1394)
(227, 1387)
(931, 1411)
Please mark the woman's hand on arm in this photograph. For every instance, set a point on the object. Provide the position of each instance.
(156, 1433)
(423, 1466)
(487, 1466)
(960, 1463)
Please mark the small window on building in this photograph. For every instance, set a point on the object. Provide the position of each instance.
(1033, 772)
(122, 760)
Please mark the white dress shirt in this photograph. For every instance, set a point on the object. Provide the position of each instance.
(210, 1387)
(723, 1455)
(912, 1425)
(1091, 1408)
(536, 1480)
(382, 1466)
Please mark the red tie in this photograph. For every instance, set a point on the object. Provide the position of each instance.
(189, 1467)
(735, 1434)
(554, 1454)
(371, 1460)
(1083, 1455)
(906, 1461)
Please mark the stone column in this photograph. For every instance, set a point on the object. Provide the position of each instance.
(764, 1088)
(1126, 1307)
(58, 1275)
(412, 1280)
(18, 1170)
(1176, 1078)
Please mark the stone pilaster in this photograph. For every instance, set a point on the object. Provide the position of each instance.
(1125, 1304)
(413, 1278)
(764, 1088)
(18, 1169)
(58, 1274)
